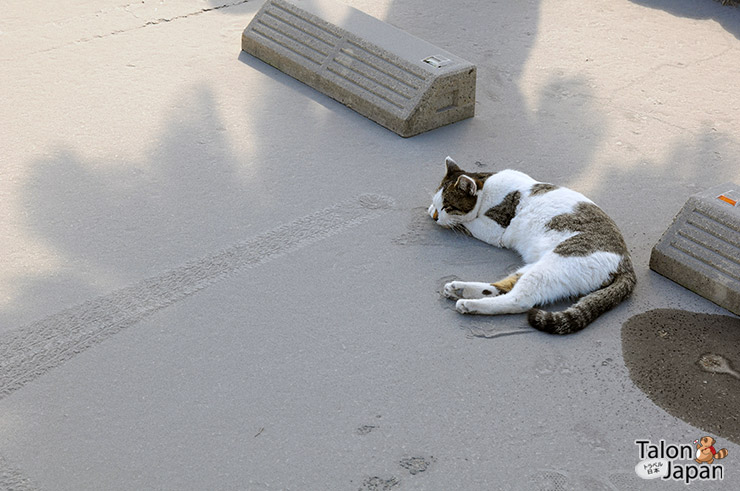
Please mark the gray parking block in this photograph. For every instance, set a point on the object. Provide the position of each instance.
(399, 81)
(701, 249)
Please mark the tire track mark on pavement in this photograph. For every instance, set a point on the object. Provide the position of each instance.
(30, 351)
(12, 479)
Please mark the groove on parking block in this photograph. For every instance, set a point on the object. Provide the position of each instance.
(30, 351)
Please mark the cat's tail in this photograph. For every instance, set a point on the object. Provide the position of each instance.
(589, 307)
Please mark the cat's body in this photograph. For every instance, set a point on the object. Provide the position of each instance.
(570, 247)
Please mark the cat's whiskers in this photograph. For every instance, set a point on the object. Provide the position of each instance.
(460, 229)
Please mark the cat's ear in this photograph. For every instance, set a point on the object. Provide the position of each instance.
(451, 165)
(467, 184)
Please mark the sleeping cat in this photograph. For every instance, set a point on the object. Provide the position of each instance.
(570, 247)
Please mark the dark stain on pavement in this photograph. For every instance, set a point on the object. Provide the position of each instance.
(688, 364)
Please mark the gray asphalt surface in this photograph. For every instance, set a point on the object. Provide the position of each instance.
(216, 278)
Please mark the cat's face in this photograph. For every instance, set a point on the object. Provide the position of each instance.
(455, 201)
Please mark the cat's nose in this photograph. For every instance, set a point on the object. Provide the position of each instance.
(433, 212)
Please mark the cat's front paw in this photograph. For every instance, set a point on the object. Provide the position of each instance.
(470, 290)
(453, 290)
(464, 307)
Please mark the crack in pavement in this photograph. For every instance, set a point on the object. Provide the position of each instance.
(191, 14)
(145, 22)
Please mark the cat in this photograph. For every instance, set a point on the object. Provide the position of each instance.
(570, 247)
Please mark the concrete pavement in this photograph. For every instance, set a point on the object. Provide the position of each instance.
(162, 327)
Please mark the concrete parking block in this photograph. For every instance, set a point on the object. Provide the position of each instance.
(398, 80)
(701, 249)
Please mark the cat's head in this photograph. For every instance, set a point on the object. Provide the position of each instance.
(455, 201)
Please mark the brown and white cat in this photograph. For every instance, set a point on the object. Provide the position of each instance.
(570, 247)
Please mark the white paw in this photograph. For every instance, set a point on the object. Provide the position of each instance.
(463, 306)
(470, 290)
(453, 290)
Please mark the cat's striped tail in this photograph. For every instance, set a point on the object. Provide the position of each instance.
(588, 308)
